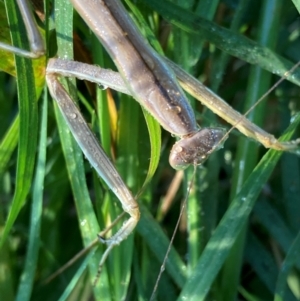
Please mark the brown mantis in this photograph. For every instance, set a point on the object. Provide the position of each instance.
(269, 139)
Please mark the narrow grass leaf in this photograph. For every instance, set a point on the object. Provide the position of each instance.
(247, 153)
(274, 223)
(297, 4)
(261, 261)
(72, 284)
(155, 146)
(28, 275)
(8, 144)
(292, 258)
(28, 123)
(291, 188)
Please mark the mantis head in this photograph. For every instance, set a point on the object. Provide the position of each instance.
(195, 148)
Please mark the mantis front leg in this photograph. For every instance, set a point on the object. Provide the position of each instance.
(98, 159)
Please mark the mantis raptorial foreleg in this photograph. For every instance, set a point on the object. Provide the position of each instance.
(99, 160)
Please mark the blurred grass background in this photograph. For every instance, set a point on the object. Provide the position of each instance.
(239, 237)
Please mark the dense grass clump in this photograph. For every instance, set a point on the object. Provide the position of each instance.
(238, 238)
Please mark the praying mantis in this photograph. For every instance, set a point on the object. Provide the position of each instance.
(102, 282)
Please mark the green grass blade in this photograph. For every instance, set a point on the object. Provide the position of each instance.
(28, 124)
(271, 219)
(290, 261)
(8, 144)
(7, 65)
(72, 284)
(27, 278)
(155, 143)
(131, 270)
(290, 180)
(261, 261)
(247, 152)
(297, 4)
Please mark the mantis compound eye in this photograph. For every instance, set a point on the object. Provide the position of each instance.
(195, 149)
